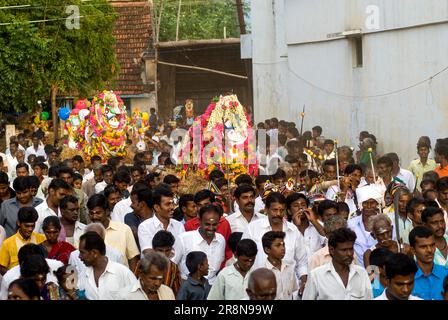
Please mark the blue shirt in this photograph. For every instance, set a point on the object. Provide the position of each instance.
(193, 290)
(430, 287)
(9, 213)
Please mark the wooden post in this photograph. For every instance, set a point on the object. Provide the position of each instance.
(54, 114)
(239, 8)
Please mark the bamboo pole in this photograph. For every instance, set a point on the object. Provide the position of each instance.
(202, 69)
(178, 20)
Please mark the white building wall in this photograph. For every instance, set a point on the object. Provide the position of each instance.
(144, 104)
(319, 71)
(270, 72)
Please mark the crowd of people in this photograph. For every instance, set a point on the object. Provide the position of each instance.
(317, 223)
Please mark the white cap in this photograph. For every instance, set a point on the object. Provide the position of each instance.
(367, 192)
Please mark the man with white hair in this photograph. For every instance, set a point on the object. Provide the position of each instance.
(111, 253)
(369, 198)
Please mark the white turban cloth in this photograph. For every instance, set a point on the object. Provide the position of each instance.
(367, 192)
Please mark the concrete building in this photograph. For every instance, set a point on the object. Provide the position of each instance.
(356, 65)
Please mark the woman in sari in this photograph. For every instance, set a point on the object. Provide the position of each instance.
(52, 247)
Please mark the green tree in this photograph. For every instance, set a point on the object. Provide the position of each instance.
(43, 52)
(199, 19)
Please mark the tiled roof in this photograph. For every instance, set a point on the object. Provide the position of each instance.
(133, 34)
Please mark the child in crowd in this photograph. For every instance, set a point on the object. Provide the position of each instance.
(196, 287)
(274, 247)
(231, 282)
(234, 238)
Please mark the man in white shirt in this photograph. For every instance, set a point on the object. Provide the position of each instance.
(11, 158)
(123, 207)
(348, 186)
(57, 190)
(400, 273)
(204, 239)
(13, 147)
(111, 253)
(402, 175)
(108, 178)
(163, 206)
(79, 167)
(404, 221)
(369, 198)
(102, 279)
(339, 279)
(297, 205)
(295, 246)
(245, 198)
(273, 131)
(71, 229)
(35, 148)
(273, 159)
(329, 152)
(260, 182)
(89, 182)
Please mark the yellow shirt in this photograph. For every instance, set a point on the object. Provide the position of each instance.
(418, 169)
(119, 236)
(10, 249)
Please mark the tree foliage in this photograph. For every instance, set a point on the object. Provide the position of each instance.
(199, 19)
(37, 55)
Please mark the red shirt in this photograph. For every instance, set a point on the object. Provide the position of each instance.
(223, 229)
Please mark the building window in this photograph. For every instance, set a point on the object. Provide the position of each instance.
(357, 52)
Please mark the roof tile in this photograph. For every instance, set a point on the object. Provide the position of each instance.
(133, 39)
